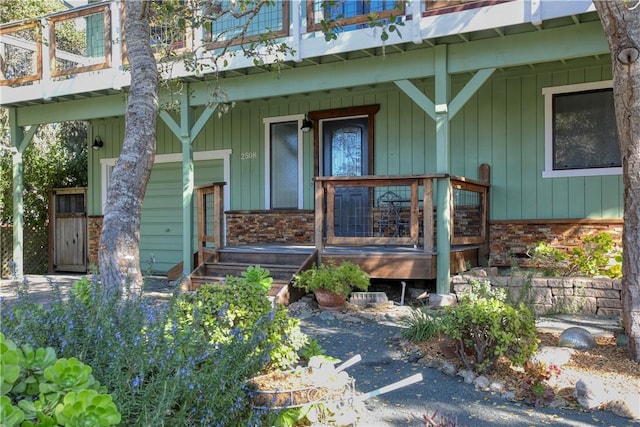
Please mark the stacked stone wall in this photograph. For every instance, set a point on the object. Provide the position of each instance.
(94, 229)
(290, 227)
(599, 296)
(511, 241)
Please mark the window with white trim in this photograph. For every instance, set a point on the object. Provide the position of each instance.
(283, 162)
(580, 131)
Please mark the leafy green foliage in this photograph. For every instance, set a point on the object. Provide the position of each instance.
(57, 156)
(219, 311)
(10, 358)
(484, 324)
(599, 256)
(312, 348)
(39, 389)
(17, 10)
(340, 279)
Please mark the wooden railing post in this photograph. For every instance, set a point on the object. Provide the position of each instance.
(319, 216)
(415, 209)
(218, 214)
(484, 252)
(427, 213)
(215, 191)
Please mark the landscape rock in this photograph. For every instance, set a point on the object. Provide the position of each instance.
(417, 294)
(497, 387)
(592, 393)
(578, 338)
(448, 368)
(482, 383)
(467, 375)
(509, 395)
(553, 355)
(442, 300)
(627, 405)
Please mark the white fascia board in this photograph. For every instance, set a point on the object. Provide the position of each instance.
(84, 82)
(500, 15)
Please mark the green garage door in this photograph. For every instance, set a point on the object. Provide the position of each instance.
(161, 227)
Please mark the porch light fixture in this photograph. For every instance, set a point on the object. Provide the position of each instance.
(307, 125)
(97, 143)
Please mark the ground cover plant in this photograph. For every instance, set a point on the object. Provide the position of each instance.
(170, 363)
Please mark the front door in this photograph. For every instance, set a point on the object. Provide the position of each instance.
(346, 153)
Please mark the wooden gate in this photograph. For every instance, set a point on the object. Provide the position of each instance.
(68, 230)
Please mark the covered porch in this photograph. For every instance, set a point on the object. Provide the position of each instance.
(386, 224)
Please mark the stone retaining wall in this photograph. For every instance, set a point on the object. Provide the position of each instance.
(601, 296)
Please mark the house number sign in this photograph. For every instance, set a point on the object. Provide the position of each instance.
(248, 155)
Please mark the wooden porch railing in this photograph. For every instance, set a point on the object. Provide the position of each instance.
(210, 202)
(355, 211)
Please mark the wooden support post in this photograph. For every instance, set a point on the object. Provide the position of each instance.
(484, 253)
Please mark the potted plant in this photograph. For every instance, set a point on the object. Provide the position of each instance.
(332, 283)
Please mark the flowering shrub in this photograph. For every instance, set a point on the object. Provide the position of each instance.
(159, 368)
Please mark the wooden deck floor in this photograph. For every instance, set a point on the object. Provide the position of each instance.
(380, 262)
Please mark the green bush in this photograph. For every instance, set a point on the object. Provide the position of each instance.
(159, 367)
(217, 311)
(599, 256)
(39, 389)
(486, 326)
(337, 278)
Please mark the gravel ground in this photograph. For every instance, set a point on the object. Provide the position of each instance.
(383, 363)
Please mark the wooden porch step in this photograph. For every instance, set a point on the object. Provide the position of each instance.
(283, 262)
(224, 269)
(267, 255)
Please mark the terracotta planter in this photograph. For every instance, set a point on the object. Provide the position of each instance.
(329, 301)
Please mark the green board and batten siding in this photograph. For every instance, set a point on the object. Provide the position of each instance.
(161, 228)
(502, 125)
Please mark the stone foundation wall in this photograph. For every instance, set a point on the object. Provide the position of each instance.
(510, 240)
(95, 227)
(601, 296)
(291, 227)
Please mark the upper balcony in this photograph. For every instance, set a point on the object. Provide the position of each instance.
(80, 52)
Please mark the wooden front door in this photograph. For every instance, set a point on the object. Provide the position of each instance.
(68, 230)
(346, 153)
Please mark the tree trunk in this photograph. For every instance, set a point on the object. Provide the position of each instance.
(621, 23)
(118, 252)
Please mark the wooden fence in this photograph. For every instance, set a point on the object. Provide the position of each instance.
(36, 246)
